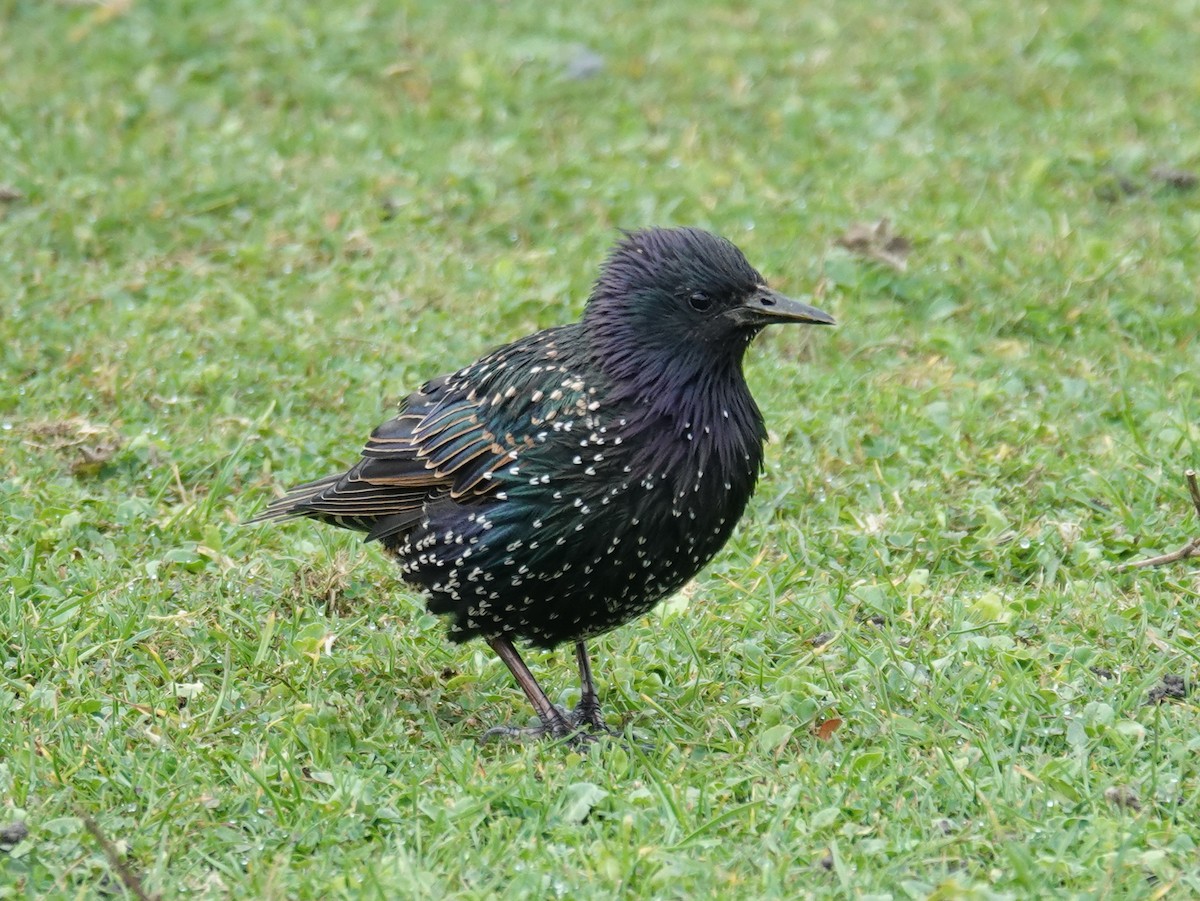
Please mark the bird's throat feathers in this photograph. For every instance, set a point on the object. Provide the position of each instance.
(691, 392)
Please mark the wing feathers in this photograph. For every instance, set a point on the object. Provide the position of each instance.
(450, 438)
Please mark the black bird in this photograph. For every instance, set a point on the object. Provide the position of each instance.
(566, 483)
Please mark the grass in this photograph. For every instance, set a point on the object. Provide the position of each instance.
(239, 231)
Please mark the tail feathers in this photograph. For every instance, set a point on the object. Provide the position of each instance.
(320, 500)
(294, 504)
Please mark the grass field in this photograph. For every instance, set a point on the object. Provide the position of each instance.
(234, 233)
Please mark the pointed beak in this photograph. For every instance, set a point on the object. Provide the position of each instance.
(766, 307)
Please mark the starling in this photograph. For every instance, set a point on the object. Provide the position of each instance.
(566, 483)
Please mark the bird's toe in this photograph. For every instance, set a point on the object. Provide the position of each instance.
(587, 716)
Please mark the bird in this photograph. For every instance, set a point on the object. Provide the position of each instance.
(566, 483)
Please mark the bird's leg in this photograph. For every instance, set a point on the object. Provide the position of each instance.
(587, 711)
(553, 721)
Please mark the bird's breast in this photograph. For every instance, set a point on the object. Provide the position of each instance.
(588, 528)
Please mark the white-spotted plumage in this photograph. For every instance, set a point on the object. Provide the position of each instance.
(565, 483)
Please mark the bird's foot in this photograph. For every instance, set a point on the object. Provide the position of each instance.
(578, 729)
(587, 715)
(524, 733)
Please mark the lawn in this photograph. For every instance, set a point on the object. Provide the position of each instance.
(234, 233)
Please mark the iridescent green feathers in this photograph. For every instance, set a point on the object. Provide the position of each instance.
(452, 437)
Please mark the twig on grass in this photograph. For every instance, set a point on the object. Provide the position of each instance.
(128, 878)
(1191, 549)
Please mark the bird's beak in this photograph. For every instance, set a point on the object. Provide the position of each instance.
(765, 307)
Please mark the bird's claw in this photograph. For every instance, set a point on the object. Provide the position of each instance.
(578, 729)
(517, 733)
(587, 715)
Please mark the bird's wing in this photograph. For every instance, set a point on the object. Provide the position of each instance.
(449, 439)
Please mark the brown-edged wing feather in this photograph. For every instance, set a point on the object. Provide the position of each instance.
(449, 438)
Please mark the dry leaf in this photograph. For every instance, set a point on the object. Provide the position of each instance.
(89, 445)
(826, 729)
(876, 241)
(1179, 179)
(1123, 796)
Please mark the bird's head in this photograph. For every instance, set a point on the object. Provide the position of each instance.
(682, 298)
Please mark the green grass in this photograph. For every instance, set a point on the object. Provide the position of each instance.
(247, 228)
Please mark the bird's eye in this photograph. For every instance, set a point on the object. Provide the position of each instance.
(700, 301)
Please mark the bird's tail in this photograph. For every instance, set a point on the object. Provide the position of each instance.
(295, 503)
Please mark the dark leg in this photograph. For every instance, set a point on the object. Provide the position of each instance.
(587, 711)
(553, 722)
